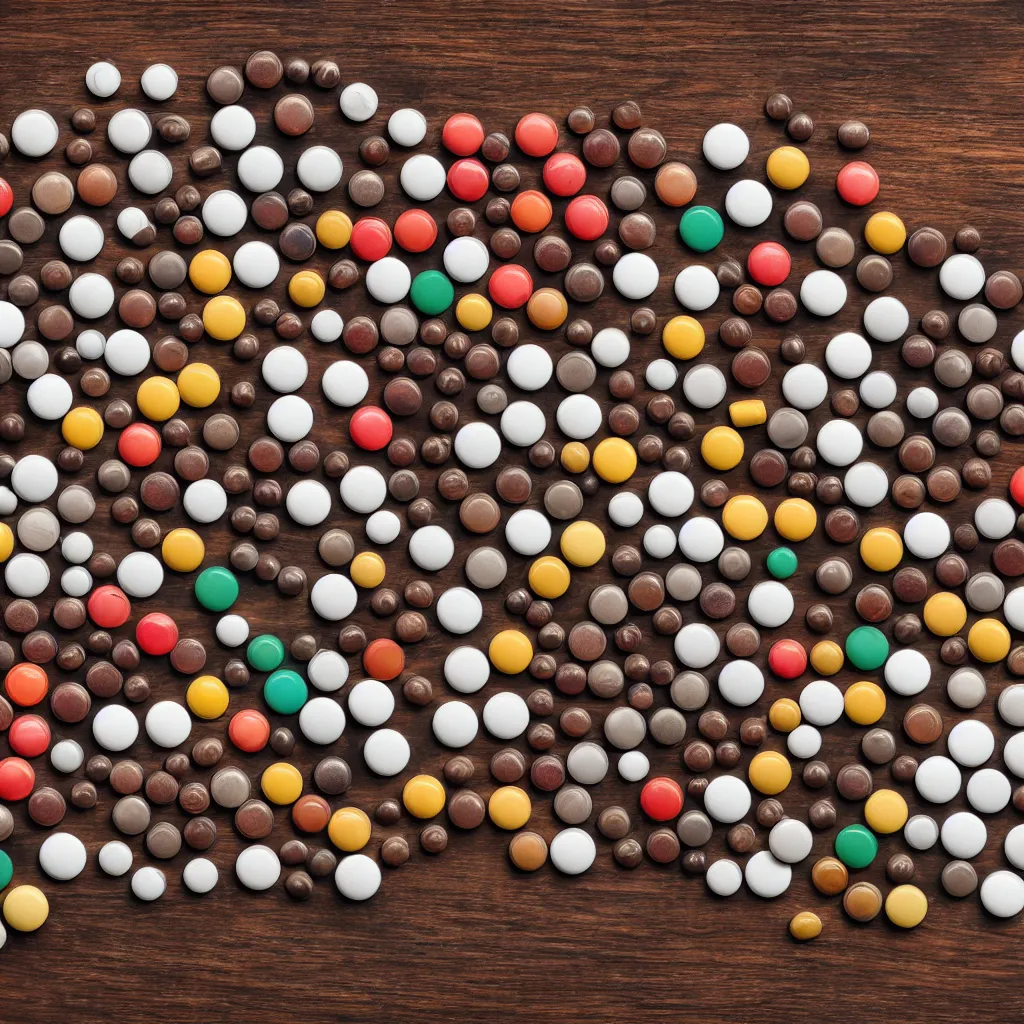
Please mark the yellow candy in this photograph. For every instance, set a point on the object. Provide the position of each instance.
(82, 427)
(787, 167)
(282, 783)
(827, 657)
(223, 318)
(210, 271)
(805, 925)
(367, 570)
(473, 312)
(784, 714)
(885, 233)
(582, 543)
(881, 549)
(906, 906)
(183, 550)
(6, 542)
(575, 457)
(886, 811)
(549, 577)
(864, 702)
(722, 448)
(547, 309)
(158, 398)
(748, 413)
(349, 829)
(509, 807)
(26, 908)
(423, 796)
(333, 229)
(683, 337)
(989, 640)
(207, 697)
(510, 651)
(795, 519)
(769, 772)
(944, 613)
(306, 288)
(614, 460)
(744, 517)
(198, 385)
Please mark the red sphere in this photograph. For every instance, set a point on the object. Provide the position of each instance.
(109, 607)
(415, 230)
(1017, 485)
(857, 183)
(661, 798)
(371, 239)
(139, 444)
(787, 659)
(510, 286)
(586, 217)
(6, 197)
(536, 134)
(29, 736)
(17, 778)
(157, 633)
(468, 180)
(463, 134)
(564, 174)
(769, 263)
(370, 428)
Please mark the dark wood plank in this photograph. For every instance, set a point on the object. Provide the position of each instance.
(465, 938)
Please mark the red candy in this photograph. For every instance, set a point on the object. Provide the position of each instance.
(510, 286)
(661, 798)
(370, 428)
(463, 134)
(249, 730)
(29, 736)
(468, 180)
(157, 633)
(769, 263)
(564, 174)
(383, 660)
(1017, 486)
(586, 217)
(536, 134)
(6, 198)
(139, 444)
(17, 778)
(415, 230)
(109, 607)
(371, 239)
(857, 183)
(787, 659)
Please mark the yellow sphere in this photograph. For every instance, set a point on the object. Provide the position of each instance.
(784, 715)
(722, 448)
(333, 229)
(788, 167)
(864, 702)
(207, 697)
(281, 783)
(944, 613)
(367, 570)
(989, 640)
(473, 312)
(885, 233)
(6, 542)
(349, 829)
(744, 517)
(183, 550)
(158, 398)
(210, 271)
(582, 543)
(423, 796)
(886, 811)
(906, 906)
(749, 412)
(575, 457)
(223, 318)
(827, 657)
(881, 549)
(683, 337)
(199, 385)
(795, 519)
(26, 908)
(306, 288)
(549, 577)
(805, 926)
(509, 807)
(614, 460)
(769, 772)
(510, 651)
(82, 427)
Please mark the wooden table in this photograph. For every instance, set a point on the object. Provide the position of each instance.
(466, 938)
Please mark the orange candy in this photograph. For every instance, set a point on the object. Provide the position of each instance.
(675, 184)
(26, 684)
(415, 230)
(311, 813)
(536, 134)
(547, 309)
(383, 660)
(531, 210)
(249, 730)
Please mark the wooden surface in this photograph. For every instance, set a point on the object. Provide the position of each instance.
(463, 937)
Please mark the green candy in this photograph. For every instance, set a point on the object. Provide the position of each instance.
(856, 846)
(782, 563)
(265, 652)
(6, 870)
(701, 228)
(285, 691)
(216, 588)
(431, 292)
(867, 648)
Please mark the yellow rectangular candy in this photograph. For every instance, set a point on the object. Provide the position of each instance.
(748, 413)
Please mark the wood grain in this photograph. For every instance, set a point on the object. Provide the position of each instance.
(463, 937)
